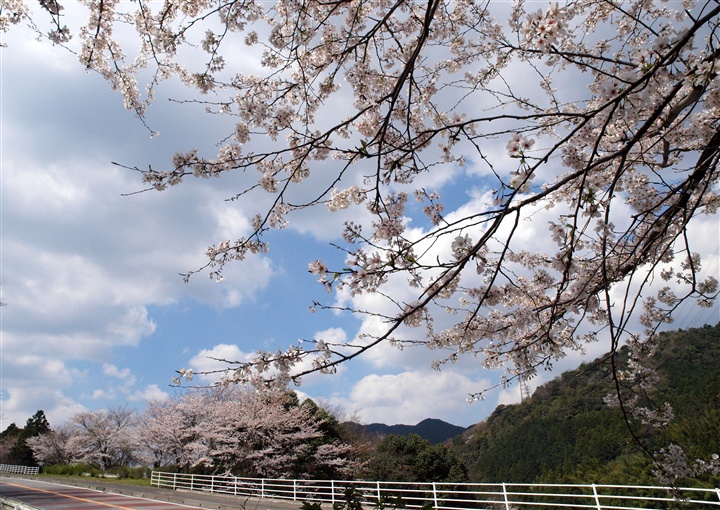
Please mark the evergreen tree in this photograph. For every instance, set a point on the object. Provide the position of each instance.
(20, 453)
(413, 459)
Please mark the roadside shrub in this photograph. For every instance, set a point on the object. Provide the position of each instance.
(130, 472)
(70, 470)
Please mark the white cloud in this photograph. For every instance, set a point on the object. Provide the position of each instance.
(22, 401)
(150, 392)
(217, 359)
(82, 264)
(410, 397)
(113, 371)
(100, 394)
(332, 335)
(125, 379)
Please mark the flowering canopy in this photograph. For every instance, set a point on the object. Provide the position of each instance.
(619, 139)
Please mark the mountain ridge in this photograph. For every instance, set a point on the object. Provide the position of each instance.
(434, 430)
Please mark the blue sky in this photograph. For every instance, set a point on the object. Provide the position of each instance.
(96, 313)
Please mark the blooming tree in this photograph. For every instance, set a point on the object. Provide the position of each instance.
(172, 432)
(51, 447)
(607, 112)
(249, 433)
(273, 436)
(104, 438)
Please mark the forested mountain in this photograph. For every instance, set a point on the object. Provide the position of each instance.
(434, 430)
(567, 433)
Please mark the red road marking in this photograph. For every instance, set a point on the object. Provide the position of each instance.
(68, 496)
(141, 502)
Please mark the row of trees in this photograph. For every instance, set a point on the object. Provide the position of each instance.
(213, 431)
(565, 433)
(239, 432)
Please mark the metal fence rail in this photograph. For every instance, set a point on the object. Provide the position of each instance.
(19, 470)
(443, 496)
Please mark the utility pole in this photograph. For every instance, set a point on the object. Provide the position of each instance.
(524, 390)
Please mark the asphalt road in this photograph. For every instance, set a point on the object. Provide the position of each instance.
(58, 494)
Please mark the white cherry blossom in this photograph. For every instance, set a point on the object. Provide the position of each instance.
(608, 112)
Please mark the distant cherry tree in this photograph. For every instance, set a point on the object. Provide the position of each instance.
(245, 433)
(104, 438)
(173, 431)
(274, 436)
(51, 447)
(601, 116)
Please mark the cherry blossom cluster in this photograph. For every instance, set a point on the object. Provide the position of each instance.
(518, 144)
(618, 140)
(542, 30)
(185, 373)
(106, 438)
(435, 208)
(227, 430)
(13, 12)
(342, 199)
(674, 465)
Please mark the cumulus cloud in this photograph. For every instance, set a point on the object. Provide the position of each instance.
(150, 392)
(410, 397)
(82, 264)
(216, 359)
(19, 399)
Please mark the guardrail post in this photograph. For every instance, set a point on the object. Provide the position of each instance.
(264, 488)
(597, 499)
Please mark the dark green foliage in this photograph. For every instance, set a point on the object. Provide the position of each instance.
(308, 505)
(413, 459)
(11, 431)
(71, 470)
(14, 449)
(566, 433)
(354, 500)
(37, 424)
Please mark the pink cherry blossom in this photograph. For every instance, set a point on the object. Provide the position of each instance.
(609, 116)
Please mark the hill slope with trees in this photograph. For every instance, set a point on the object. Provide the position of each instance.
(566, 432)
(434, 430)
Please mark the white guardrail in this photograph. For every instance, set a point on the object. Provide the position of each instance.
(447, 496)
(19, 470)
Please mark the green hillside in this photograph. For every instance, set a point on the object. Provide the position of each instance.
(566, 433)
